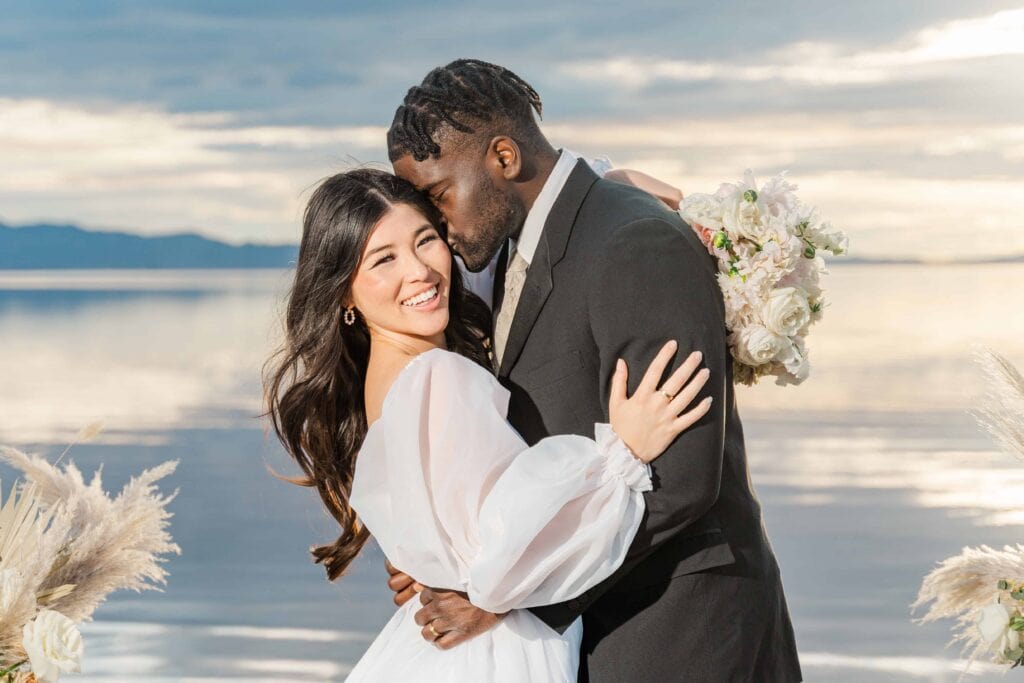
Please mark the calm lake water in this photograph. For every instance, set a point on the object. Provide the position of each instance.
(869, 473)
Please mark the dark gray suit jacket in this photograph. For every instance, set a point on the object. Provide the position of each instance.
(616, 275)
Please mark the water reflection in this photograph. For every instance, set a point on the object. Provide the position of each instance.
(137, 651)
(868, 473)
(150, 350)
(142, 352)
(938, 460)
(901, 337)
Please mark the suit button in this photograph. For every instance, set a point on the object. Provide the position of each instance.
(575, 605)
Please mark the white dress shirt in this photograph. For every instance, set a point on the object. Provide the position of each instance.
(533, 226)
(482, 283)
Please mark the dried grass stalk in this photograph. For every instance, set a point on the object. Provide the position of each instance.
(115, 543)
(23, 528)
(1001, 413)
(67, 545)
(961, 586)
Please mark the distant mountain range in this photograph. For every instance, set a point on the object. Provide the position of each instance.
(69, 246)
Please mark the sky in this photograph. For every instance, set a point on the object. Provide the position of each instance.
(901, 119)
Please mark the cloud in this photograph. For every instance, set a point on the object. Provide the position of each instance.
(925, 53)
(890, 180)
(910, 136)
(930, 189)
(326, 63)
(796, 133)
(143, 168)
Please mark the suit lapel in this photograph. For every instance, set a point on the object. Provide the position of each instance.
(550, 250)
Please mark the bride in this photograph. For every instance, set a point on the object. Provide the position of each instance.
(383, 395)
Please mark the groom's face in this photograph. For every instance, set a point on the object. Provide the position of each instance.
(470, 190)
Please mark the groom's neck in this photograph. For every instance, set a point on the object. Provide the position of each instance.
(538, 165)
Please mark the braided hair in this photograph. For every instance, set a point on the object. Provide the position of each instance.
(464, 92)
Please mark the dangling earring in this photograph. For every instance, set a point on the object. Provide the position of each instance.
(350, 316)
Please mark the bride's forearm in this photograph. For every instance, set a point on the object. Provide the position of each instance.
(668, 194)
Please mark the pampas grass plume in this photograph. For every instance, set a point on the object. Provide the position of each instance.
(66, 545)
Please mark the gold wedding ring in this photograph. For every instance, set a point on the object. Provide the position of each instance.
(433, 631)
(666, 394)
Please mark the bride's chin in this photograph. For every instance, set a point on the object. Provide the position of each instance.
(432, 325)
(439, 327)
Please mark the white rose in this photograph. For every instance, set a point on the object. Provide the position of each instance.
(994, 625)
(786, 312)
(742, 218)
(11, 586)
(777, 229)
(53, 644)
(755, 345)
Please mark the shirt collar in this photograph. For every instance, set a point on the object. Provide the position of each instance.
(533, 226)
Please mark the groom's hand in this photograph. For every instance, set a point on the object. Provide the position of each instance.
(448, 618)
(404, 586)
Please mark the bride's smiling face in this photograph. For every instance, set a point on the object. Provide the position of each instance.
(402, 283)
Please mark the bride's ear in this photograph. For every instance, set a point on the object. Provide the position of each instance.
(507, 157)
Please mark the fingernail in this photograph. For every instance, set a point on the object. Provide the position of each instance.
(710, 399)
(673, 343)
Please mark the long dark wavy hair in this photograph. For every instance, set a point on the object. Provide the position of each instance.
(313, 385)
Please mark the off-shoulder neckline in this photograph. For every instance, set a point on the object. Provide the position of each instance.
(391, 389)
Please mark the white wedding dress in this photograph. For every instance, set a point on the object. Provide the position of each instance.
(457, 500)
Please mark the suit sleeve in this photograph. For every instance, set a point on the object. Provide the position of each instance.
(651, 285)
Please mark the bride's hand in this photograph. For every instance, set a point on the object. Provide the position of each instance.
(650, 419)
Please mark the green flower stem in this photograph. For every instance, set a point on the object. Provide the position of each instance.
(9, 671)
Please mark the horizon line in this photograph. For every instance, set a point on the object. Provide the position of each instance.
(845, 260)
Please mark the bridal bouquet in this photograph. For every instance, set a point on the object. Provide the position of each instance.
(768, 245)
(983, 588)
(64, 546)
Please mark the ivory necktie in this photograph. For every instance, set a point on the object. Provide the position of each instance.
(515, 276)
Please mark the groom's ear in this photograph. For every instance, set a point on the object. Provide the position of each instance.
(507, 157)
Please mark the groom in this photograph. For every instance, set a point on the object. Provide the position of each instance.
(590, 271)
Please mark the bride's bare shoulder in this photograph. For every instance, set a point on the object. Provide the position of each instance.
(384, 370)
